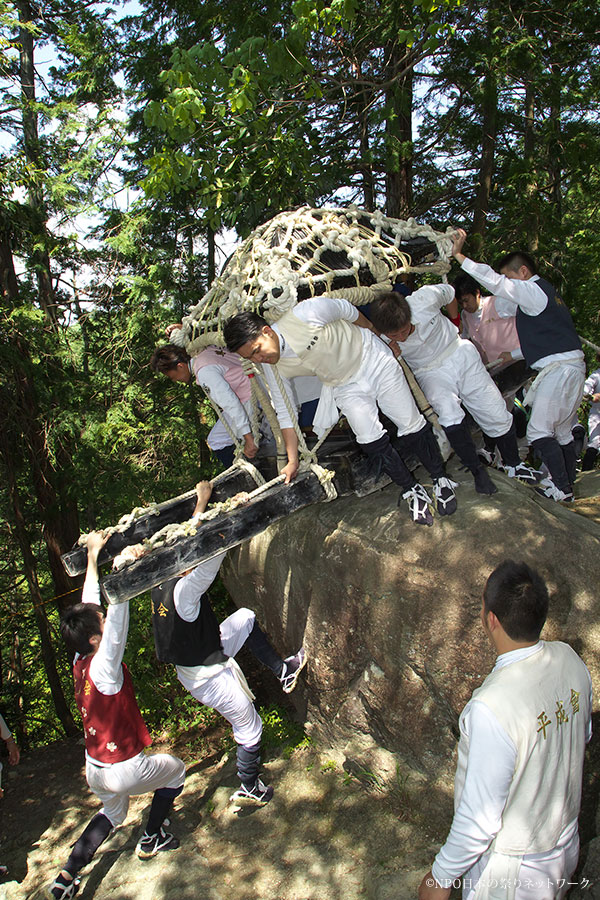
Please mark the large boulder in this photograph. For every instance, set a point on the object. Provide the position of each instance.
(390, 612)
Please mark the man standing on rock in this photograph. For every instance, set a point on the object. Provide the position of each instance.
(186, 633)
(552, 347)
(518, 780)
(359, 373)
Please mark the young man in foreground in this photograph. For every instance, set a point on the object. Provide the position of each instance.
(523, 733)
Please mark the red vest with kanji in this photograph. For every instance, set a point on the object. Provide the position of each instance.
(112, 723)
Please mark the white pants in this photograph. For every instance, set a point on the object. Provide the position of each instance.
(379, 382)
(223, 691)
(115, 784)
(463, 379)
(555, 402)
(541, 877)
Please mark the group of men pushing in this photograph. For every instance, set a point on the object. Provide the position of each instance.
(502, 820)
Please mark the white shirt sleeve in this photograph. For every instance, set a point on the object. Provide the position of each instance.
(189, 589)
(478, 817)
(5, 731)
(525, 294)
(212, 379)
(277, 399)
(428, 301)
(323, 310)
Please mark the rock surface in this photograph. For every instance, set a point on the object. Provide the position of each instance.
(389, 611)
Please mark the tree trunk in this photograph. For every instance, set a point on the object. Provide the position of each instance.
(532, 221)
(489, 124)
(48, 656)
(40, 256)
(399, 141)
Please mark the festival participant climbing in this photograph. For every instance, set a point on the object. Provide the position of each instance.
(187, 634)
(452, 375)
(552, 347)
(319, 336)
(115, 733)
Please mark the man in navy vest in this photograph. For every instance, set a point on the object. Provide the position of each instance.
(552, 347)
(187, 634)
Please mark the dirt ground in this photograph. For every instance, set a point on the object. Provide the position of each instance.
(336, 829)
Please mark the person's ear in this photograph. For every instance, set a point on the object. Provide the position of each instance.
(94, 640)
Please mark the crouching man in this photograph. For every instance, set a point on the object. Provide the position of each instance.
(186, 633)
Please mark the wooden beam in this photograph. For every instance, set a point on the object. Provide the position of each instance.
(179, 509)
(225, 531)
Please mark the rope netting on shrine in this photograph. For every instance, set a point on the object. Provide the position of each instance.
(338, 252)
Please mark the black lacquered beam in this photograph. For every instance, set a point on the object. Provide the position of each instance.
(225, 531)
(179, 509)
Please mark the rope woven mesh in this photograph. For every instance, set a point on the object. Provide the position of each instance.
(334, 251)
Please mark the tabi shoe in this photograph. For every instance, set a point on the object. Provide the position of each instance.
(483, 482)
(62, 888)
(418, 503)
(445, 498)
(292, 666)
(524, 473)
(259, 793)
(554, 493)
(151, 844)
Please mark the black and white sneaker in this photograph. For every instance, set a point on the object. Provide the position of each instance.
(487, 458)
(151, 844)
(258, 793)
(62, 888)
(549, 489)
(292, 666)
(524, 473)
(483, 482)
(418, 503)
(445, 498)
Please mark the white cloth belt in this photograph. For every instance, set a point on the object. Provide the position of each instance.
(201, 674)
(436, 363)
(528, 398)
(327, 412)
(498, 881)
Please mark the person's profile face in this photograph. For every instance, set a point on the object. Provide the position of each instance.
(180, 374)
(264, 348)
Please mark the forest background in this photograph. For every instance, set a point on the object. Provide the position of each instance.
(135, 136)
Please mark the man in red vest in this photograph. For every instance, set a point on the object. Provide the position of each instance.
(115, 733)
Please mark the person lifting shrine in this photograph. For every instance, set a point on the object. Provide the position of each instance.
(221, 375)
(452, 375)
(517, 790)
(552, 347)
(114, 731)
(187, 634)
(330, 338)
(592, 393)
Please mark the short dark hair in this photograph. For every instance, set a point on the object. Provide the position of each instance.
(464, 284)
(513, 261)
(518, 596)
(389, 312)
(167, 357)
(240, 329)
(78, 625)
